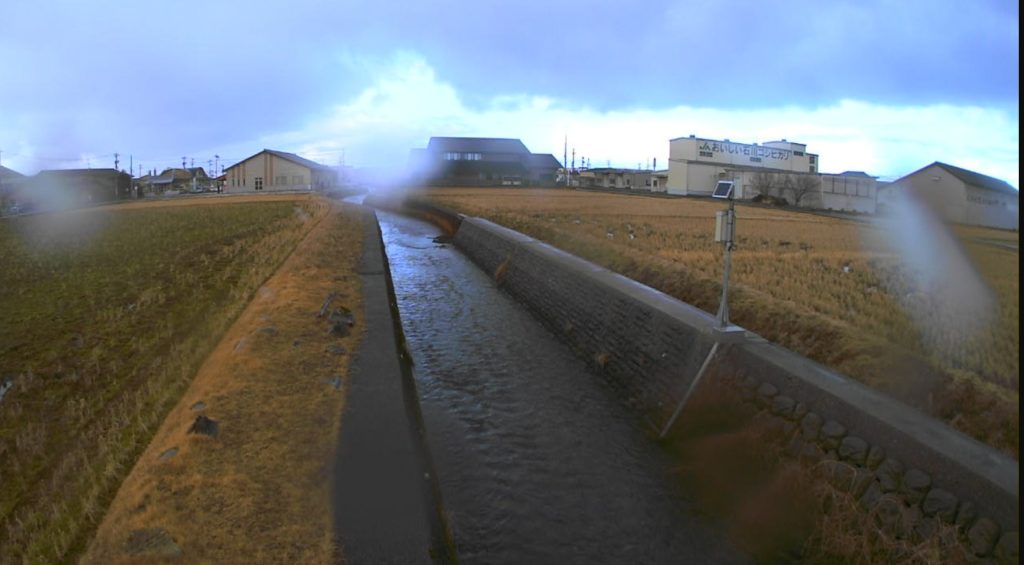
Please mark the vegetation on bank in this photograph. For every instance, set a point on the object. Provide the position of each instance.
(272, 394)
(105, 316)
(825, 287)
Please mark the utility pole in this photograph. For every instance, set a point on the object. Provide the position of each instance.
(116, 162)
(565, 159)
(183, 162)
(216, 163)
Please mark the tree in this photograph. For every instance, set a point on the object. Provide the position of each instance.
(803, 185)
(763, 183)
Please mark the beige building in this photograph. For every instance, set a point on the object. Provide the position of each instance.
(962, 196)
(276, 170)
(776, 168)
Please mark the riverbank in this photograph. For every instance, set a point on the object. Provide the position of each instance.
(240, 469)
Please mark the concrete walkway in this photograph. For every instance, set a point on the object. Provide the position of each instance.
(385, 497)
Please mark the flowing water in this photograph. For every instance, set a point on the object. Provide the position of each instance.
(538, 461)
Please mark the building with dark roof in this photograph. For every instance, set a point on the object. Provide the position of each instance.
(10, 180)
(962, 196)
(277, 170)
(481, 161)
(72, 188)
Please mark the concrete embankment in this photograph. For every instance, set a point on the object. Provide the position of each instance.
(649, 345)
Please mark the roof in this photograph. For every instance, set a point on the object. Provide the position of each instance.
(476, 145)
(977, 179)
(856, 174)
(542, 161)
(6, 173)
(288, 157)
(296, 159)
(80, 172)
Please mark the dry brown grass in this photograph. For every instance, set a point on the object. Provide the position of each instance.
(825, 287)
(105, 315)
(259, 491)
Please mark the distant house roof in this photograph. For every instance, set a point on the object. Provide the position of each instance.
(542, 161)
(476, 145)
(977, 179)
(288, 157)
(855, 174)
(81, 173)
(6, 173)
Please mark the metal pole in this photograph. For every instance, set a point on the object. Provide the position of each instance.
(723, 305)
(689, 391)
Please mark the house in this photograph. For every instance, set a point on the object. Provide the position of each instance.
(621, 179)
(72, 188)
(10, 180)
(481, 161)
(277, 170)
(962, 196)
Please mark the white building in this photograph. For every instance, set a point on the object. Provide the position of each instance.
(776, 168)
(962, 196)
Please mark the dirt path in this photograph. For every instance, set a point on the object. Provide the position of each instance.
(240, 469)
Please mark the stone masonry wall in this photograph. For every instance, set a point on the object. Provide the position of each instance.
(648, 346)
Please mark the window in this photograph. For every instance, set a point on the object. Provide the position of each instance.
(706, 154)
(755, 159)
(798, 153)
(298, 179)
(813, 158)
(258, 183)
(811, 168)
(281, 180)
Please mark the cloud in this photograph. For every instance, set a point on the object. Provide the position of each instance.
(408, 102)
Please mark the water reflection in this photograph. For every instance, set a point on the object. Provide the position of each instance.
(537, 461)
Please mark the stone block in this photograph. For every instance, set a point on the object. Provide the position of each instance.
(983, 536)
(915, 485)
(890, 474)
(783, 406)
(941, 504)
(853, 449)
(832, 432)
(810, 426)
(875, 457)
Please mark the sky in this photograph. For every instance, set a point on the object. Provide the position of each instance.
(880, 86)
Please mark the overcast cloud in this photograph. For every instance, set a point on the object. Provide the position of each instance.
(884, 87)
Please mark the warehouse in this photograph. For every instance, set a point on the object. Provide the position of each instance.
(962, 196)
(481, 161)
(276, 170)
(780, 169)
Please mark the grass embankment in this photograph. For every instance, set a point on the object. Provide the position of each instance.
(824, 287)
(258, 492)
(105, 316)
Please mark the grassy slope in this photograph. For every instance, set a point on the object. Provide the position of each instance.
(105, 315)
(259, 492)
(824, 287)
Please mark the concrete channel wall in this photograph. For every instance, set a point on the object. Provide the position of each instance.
(649, 346)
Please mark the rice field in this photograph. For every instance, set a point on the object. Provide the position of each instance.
(831, 289)
(105, 316)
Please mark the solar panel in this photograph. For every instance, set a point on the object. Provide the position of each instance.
(723, 189)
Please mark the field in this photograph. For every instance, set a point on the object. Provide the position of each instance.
(105, 316)
(831, 289)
